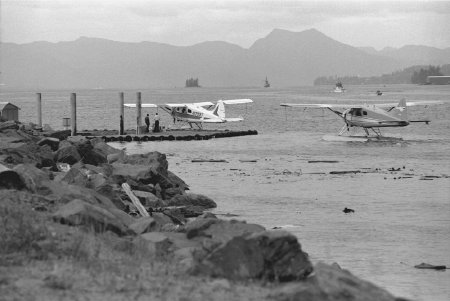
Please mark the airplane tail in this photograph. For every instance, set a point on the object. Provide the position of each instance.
(401, 111)
(219, 109)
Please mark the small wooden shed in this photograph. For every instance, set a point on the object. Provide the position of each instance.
(8, 111)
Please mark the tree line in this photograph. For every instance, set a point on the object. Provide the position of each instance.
(411, 75)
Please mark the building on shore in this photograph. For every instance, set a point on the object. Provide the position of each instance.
(439, 80)
(8, 111)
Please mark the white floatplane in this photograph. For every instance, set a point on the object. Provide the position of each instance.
(198, 112)
(370, 116)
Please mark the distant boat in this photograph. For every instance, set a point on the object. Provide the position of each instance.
(192, 83)
(339, 88)
(266, 83)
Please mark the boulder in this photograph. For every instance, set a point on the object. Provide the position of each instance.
(33, 178)
(284, 259)
(104, 148)
(155, 160)
(41, 156)
(192, 199)
(90, 155)
(139, 173)
(143, 225)
(264, 255)
(10, 124)
(64, 193)
(81, 213)
(68, 154)
(148, 199)
(10, 179)
(61, 135)
(330, 283)
(53, 143)
(168, 242)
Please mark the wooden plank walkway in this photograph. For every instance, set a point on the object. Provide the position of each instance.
(169, 135)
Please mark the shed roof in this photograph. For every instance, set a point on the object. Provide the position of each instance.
(7, 104)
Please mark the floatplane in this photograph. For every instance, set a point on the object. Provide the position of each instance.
(198, 112)
(370, 116)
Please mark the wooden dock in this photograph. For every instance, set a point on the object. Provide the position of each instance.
(169, 135)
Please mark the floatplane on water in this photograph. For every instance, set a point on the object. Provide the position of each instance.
(198, 112)
(369, 116)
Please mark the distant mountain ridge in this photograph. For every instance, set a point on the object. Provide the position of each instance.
(287, 58)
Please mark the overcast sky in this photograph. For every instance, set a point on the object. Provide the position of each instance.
(358, 23)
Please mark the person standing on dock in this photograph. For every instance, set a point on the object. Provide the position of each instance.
(156, 124)
(147, 123)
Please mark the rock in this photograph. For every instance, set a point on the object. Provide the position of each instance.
(10, 179)
(269, 255)
(65, 193)
(53, 143)
(139, 173)
(158, 242)
(330, 283)
(148, 199)
(104, 148)
(164, 243)
(89, 154)
(194, 228)
(237, 259)
(143, 225)
(192, 199)
(33, 178)
(68, 154)
(61, 135)
(284, 259)
(10, 124)
(154, 223)
(81, 213)
(111, 158)
(41, 156)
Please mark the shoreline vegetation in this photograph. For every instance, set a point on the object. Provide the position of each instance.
(411, 75)
(82, 220)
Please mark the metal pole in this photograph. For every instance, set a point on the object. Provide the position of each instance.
(122, 115)
(73, 109)
(39, 109)
(138, 113)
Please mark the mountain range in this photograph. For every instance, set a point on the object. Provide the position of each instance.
(286, 58)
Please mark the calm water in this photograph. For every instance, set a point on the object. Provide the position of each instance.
(398, 223)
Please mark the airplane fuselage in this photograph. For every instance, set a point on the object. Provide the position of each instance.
(192, 114)
(373, 117)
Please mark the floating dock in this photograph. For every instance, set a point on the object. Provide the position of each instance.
(171, 135)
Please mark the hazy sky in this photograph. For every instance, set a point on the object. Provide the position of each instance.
(357, 23)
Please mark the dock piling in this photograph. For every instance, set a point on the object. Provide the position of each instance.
(73, 110)
(39, 109)
(138, 113)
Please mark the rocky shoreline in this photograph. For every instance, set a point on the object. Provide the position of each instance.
(81, 219)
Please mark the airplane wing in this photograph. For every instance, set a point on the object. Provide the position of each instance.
(344, 106)
(234, 119)
(320, 105)
(236, 101)
(203, 104)
(144, 105)
(181, 105)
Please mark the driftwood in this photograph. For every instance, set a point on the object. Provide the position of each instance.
(344, 172)
(209, 161)
(430, 266)
(135, 200)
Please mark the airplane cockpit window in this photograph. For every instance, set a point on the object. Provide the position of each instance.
(189, 111)
(358, 112)
(364, 112)
(183, 110)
